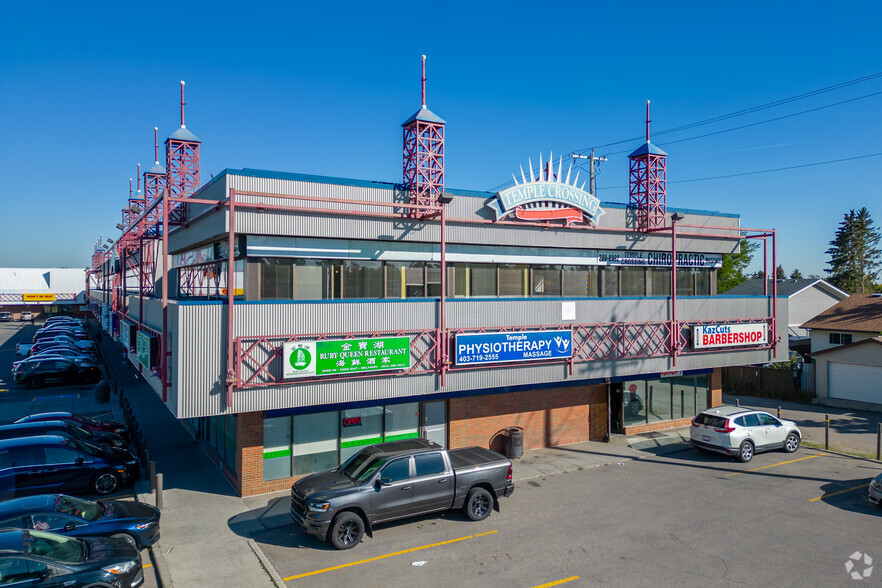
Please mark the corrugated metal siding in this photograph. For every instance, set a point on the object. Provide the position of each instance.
(201, 352)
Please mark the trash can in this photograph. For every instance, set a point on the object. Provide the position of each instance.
(102, 391)
(514, 442)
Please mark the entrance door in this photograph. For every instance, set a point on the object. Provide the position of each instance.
(435, 422)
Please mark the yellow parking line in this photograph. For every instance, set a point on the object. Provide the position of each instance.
(558, 583)
(379, 557)
(775, 465)
(864, 485)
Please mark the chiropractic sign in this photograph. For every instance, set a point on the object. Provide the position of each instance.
(345, 356)
(481, 348)
(713, 336)
(548, 197)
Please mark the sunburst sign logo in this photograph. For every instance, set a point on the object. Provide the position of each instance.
(548, 196)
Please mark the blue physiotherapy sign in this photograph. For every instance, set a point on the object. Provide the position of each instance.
(481, 348)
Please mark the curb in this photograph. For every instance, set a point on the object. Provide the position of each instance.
(267, 566)
(159, 564)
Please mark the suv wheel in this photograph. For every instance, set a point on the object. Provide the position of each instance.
(745, 452)
(791, 444)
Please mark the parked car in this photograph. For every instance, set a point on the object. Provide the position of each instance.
(64, 428)
(80, 355)
(398, 479)
(76, 335)
(27, 315)
(875, 490)
(39, 558)
(742, 432)
(52, 463)
(136, 522)
(80, 420)
(5, 317)
(57, 344)
(45, 372)
(63, 318)
(58, 337)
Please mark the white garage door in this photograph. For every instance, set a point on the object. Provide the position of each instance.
(854, 382)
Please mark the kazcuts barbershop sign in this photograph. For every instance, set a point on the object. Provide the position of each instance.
(519, 346)
(711, 336)
(323, 358)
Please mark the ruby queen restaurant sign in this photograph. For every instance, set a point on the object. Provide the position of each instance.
(548, 197)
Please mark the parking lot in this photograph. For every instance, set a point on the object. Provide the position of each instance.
(681, 519)
(18, 401)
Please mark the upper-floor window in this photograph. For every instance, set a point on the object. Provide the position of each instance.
(840, 338)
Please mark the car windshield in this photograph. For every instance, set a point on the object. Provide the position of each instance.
(84, 509)
(81, 433)
(362, 465)
(85, 419)
(57, 547)
(82, 447)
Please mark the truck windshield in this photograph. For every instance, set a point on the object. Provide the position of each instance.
(362, 465)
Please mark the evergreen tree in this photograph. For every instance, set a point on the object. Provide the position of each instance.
(796, 275)
(854, 258)
(732, 272)
(780, 274)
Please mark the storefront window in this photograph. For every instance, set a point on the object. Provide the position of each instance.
(460, 280)
(512, 279)
(634, 402)
(310, 276)
(483, 279)
(276, 448)
(402, 421)
(545, 280)
(362, 279)
(395, 279)
(276, 279)
(609, 277)
(314, 441)
(433, 279)
(684, 398)
(229, 448)
(633, 281)
(685, 282)
(579, 281)
(702, 393)
(360, 427)
(658, 393)
(659, 281)
(702, 282)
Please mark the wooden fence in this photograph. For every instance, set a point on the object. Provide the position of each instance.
(765, 382)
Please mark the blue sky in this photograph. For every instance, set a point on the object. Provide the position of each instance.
(322, 88)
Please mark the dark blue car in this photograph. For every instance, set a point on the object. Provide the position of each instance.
(135, 522)
(51, 463)
(63, 428)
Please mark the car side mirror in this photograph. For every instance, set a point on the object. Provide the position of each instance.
(79, 461)
(384, 481)
(70, 526)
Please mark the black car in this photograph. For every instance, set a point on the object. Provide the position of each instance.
(63, 428)
(52, 463)
(80, 420)
(136, 522)
(81, 355)
(39, 558)
(54, 344)
(55, 371)
(75, 334)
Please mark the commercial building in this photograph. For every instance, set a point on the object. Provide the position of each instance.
(356, 311)
(41, 290)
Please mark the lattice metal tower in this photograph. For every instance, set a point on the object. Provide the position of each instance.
(182, 166)
(424, 153)
(648, 184)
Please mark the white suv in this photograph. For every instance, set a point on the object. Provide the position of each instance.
(738, 431)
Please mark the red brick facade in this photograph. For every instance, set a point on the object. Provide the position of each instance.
(551, 417)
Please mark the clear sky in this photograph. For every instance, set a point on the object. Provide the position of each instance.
(323, 87)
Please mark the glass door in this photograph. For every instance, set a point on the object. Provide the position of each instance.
(435, 421)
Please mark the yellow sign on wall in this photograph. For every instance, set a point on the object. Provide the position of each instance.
(236, 292)
(45, 297)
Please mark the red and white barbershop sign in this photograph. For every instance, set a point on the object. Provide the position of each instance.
(710, 336)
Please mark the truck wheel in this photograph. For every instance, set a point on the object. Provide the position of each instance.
(478, 504)
(346, 530)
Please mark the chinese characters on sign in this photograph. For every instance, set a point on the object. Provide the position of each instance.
(322, 358)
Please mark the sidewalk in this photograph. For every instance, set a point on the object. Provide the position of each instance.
(206, 527)
(851, 431)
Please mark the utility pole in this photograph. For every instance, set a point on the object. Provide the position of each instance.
(592, 174)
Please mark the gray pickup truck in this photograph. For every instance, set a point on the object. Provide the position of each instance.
(398, 479)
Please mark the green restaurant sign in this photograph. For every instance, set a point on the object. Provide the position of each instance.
(344, 356)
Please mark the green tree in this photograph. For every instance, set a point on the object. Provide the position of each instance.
(796, 275)
(854, 258)
(732, 272)
(780, 274)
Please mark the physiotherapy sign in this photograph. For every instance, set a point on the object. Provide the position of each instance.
(548, 197)
(345, 356)
(714, 336)
(479, 348)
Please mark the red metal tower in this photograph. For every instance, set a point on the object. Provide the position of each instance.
(648, 184)
(182, 166)
(424, 153)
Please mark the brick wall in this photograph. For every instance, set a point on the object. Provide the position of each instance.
(549, 417)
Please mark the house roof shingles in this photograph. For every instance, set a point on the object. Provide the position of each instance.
(788, 287)
(861, 313)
